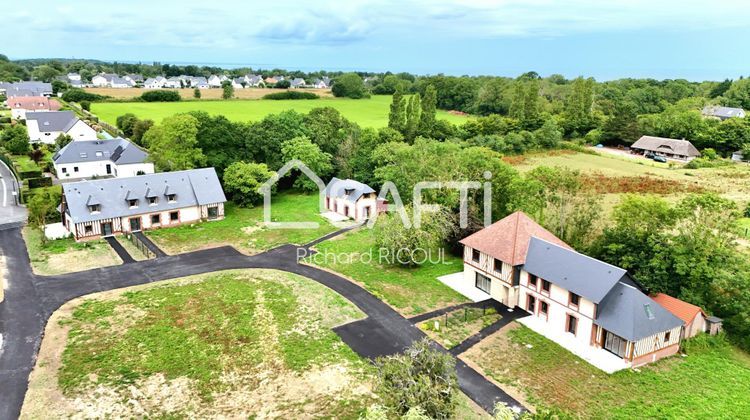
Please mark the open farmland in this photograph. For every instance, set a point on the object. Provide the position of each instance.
(371, 112)
(187, 93)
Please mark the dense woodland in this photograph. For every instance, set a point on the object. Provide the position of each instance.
(686, 249)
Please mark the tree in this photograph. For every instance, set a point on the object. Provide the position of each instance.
(265, 138)
(738, 95)
(173, 143)
(578, 106)
(59, 86)
(421, 377)
(227, 90)
(621, 127)
(15, 139)
(412, 245)
(36, 154)
(349, 85)
(303, 149)
(196, 93)
(525, 106)
(327, 128)
(397, 114)
(222, 141)
(62, 140)
(413, 110)
(492, 97)
(427, 116)
(283, 84)
(86, 105)
(139, 130)
(126, 124)
(43, 208)
(242, 181)
(45, 73)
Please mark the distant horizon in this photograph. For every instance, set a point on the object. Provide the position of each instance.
(265, 67)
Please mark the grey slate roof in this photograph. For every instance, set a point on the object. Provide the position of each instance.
(338, 188)
(193, 187)
(119, 151)
(665, 145)
(723, 111)
(632, 315)
(20, 88)
(578, 273)
(297, 82)
(53, 120)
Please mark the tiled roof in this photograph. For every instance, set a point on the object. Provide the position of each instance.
(508, 239)
(681, 309)
(665, 145)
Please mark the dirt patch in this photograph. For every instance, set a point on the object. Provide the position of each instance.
(497, 343)
(602, 184)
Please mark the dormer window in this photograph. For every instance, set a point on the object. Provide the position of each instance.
(133, 202)
(348, 191)
(171, 198)
(152, 200)
(95, 208)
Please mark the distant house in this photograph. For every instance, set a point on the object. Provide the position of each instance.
(73, 79)
(320, 84)
(157, 82)
(254, 80)
(297, 82)
(105, 207)
(111, 81)
(238, 83)
(270, 80)
(29, 88)
(74, 76)
(46, 127)
(670, 148)
(738, 156)
(20, 105)
(353, 199)
(723, 112)
(694, 319)
(173, 83)
(588, 306)
(134, 79)
(101, 158)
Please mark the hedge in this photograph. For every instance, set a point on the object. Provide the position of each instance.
(80, 95)
(291, 94)
(39, 182)
(161, 96)
(36, 173)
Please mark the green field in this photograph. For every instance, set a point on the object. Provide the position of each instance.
(371, 112)
(710, 382)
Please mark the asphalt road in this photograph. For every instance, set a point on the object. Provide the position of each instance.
(10, 213)
(31, 299)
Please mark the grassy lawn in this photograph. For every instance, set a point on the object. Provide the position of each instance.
(132, 249)
(24, 163)
(371, 112)
(711, 382)
(461, 324)
(242, 227)
(236, 344)
(410, 290)
(66, 255)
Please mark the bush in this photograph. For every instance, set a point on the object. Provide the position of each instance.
(421, 377)
(161, 96)
(39, 182)
(282, 84)
(35, 173)
(703, 162)
(86, 105)
(80, 95)
(4, 120)
(291, 94)
(349, 85)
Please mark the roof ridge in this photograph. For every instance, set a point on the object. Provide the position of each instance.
(580, 253)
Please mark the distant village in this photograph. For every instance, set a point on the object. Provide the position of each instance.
(110, 80)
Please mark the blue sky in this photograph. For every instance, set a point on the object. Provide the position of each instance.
(605, 39)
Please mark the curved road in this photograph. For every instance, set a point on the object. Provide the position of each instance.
(31, 299)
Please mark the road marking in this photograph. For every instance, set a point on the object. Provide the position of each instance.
(5, 193)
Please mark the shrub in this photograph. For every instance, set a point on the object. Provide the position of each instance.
(421, 377)
(86, 105)
(39, 182)
(80, 95)
(161, 96)
(282, 84)
(291, 94)
(34, 173)
(196, 93)
(4, 120)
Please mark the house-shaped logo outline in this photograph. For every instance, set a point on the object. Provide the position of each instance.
(265, 189)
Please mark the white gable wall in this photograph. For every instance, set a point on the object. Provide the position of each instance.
(81, 131)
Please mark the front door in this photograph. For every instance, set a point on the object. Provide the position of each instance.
(135, 224)
(107, 229)
(614, 344)
(109, 169)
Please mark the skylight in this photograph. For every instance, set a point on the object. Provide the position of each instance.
(649, 311)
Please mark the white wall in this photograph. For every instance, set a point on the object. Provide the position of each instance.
(82, 131)
(48, 137)
(99, 169)
(357, 209)
(124, 171)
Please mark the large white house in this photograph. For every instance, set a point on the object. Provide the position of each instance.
(576, 300)
(46, 127)
(116, 158)
(105, 207)
(353, 199)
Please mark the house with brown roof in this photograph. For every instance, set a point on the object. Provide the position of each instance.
(669, 148)
(694, 318)
(594, 309)
(19, 105)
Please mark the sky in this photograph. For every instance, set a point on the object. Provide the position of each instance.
(605, 39)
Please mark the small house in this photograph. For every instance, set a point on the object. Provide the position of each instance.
(46, 127)
(723, 112)
(353, 199)
(670, 148)
(116, 158)
(20, 105)
(693, 317)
